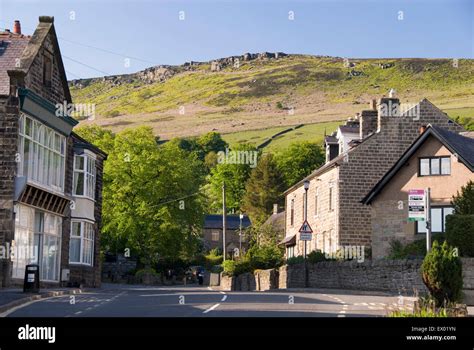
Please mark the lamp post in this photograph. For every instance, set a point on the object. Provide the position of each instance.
(224, 213)
(306, 187)
(240, 233)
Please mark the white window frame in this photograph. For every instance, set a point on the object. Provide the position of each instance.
(46, 147)
(81, 239)
(88, 189)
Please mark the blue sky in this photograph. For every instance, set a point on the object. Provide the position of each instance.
(151, 32)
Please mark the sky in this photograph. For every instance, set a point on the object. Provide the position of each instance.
(104, 37)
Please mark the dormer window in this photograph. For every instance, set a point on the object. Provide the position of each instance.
(84, 176)
(47, 69)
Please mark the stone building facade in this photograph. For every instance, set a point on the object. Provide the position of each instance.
(338, 187)
(453, 157)
(50, 191)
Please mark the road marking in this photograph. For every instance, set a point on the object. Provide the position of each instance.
(222, 292)
(89, 308)
(211, 308)
(341, 315)
(77, 313)
(224, 298)
(342, 311)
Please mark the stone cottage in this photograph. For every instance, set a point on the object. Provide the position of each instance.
(336, 189)
(50, 178)
(438, 159)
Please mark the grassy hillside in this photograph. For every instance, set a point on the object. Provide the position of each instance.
(261, 93)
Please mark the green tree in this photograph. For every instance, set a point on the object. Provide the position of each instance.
(463, 201)
(442, 273)
(151, 201)
(235, 170)
(264, 188)
(299, 160)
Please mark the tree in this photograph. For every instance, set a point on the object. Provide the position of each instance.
(203, 145)
(233, 168)
(463, 201)
(264, 189)
(299, 160)
(98, 136)
(442, 273)
(151, 201)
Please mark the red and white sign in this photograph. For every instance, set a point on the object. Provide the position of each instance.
(416, 205)
(306, 233)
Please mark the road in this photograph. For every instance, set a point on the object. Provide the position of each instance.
(193, 301)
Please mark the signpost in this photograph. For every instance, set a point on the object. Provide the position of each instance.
(419, 210)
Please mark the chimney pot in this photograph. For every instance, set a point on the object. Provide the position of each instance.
(422, 129)
(275, 208)
(373, 104)
(17, 27)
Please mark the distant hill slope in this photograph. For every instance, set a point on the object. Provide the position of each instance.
(261, 91)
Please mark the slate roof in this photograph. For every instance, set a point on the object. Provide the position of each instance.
(457, 144)
(11, 49)
(233, 221)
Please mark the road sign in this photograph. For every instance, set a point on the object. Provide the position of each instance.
(416, 205)
(306, 233)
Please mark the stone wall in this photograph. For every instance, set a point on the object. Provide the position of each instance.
(395, 276)
(260, 280)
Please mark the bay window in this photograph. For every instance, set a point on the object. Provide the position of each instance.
(84, 176)
(42, 154)
(81, 244)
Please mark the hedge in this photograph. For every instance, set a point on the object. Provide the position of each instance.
(460, 233)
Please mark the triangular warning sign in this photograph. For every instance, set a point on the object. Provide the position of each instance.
(305, 228)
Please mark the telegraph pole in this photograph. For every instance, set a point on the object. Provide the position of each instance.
(224, 212)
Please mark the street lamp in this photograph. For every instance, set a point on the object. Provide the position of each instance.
(241, 216)
(306, 188)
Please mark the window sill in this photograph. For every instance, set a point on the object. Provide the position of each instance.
(76, 264)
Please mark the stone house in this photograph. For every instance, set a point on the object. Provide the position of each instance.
(50, 178)
(336, 189)
(438, 159)
(212, 232)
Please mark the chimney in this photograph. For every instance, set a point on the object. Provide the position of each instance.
(373, 104)
(388, 107)
(367, 123)
(275, 209)
(17, 27)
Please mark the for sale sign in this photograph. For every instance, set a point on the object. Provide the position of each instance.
(416, 205)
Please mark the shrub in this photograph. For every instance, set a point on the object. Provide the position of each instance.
(460, 233)
(316, 256)
(463, 201)
(229, 267)
(243, 265)
(295, 260)
(442, 274)
(265, 257)
(146, 271)
(414, 249)
(212, 259)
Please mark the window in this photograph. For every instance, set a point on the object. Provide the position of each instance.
(81, 244)
(316, 199)
(290, 252)
(42, 154)
(37, 241)
(215, 235)
(330, 199)
(47, 69)
(292, 212)
(438, 220)
(84, 176)
(435, 166)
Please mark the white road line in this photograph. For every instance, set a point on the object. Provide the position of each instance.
(342, 311)
(77, 313)
(211, 308)
(222, 292)
(224, 298)
(341, 315)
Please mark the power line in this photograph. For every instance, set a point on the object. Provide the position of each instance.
(85, 65)
(107, 51)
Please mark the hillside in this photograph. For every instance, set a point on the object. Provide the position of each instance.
(269, 91)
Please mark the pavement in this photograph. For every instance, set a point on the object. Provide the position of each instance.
(196, 301)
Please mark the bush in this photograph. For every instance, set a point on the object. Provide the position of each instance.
(229, 267)
(460, 233)
(266, 257)
(463, 201)
(413, 249)
(316, 256)
(212, 259)
(442, 274)
(295, 260)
